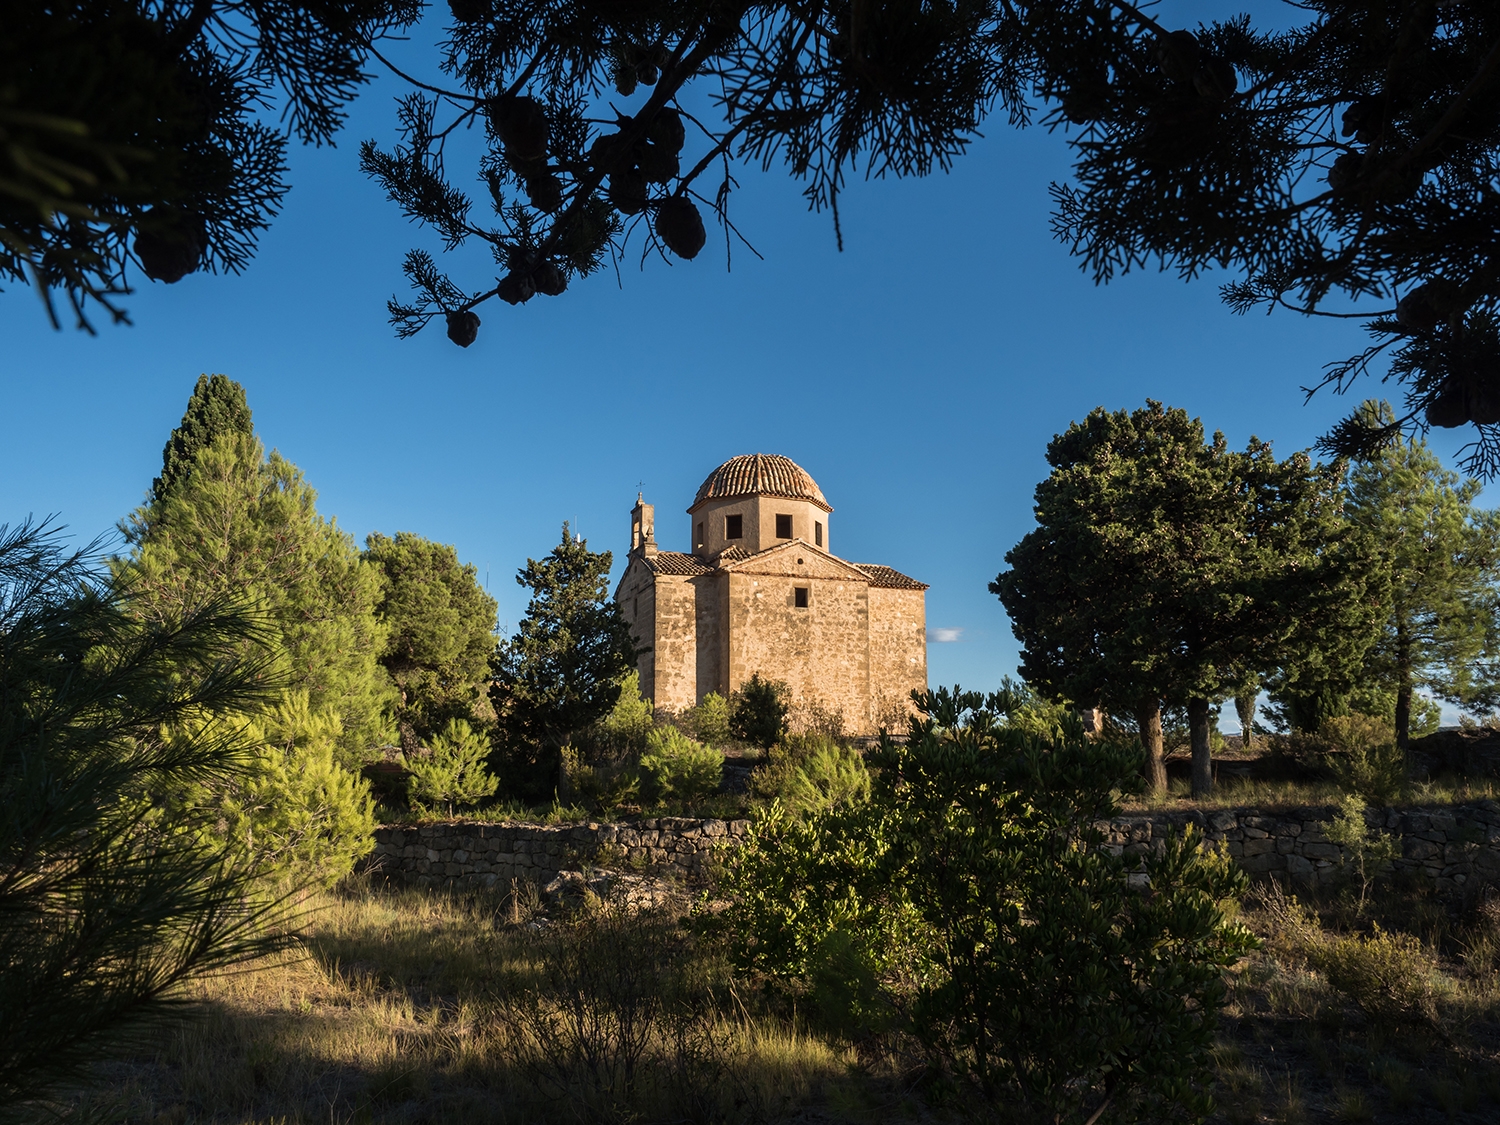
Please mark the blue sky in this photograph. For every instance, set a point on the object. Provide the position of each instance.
(917, 376)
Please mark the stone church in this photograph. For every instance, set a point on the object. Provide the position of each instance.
(762, 591)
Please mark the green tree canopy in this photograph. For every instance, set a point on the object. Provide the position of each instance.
(440, 634)
(113, 899)
(242, 524)
(217, 407)
(1440, 630)
(1169, 569)
(563, 669)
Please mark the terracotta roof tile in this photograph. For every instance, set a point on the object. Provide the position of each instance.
(676, 562)
(890, 579)
(765, 474)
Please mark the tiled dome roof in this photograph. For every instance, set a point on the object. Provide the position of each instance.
(763, 473)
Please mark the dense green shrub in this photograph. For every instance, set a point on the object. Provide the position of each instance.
(454, 772)
(680, 769)
(1366, 853)
(601, 785)
(971, 895)
(622, 733)
(1391, 977)
(709, 721)
(811, 772)
(1364, 757)
(757, 712)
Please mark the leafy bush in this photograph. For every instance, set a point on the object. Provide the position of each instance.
(679, 768)
(758, 712)
(811, 772)
(972, 888)
(1389, 976)
(709, 721)
(454, 773)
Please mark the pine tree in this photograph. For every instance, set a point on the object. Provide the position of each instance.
(563, 670)
(441, 634)
(1440, 632)
(453, 772)
(112, 898)
(1167, 569)
(243, 525)
(217, 407)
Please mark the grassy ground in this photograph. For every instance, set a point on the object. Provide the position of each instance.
(415, 1006)
(1269, 795)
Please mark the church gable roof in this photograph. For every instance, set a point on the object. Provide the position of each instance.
(890, 579)
(795, 560)
(676, 562)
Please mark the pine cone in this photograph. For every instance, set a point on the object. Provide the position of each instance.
(667, 130)
(463, 327)
(1363, 118)
(627, 190)
(170, 244)
(1178, 55)
(1448, 409)
(1483, 399)
(1345, 171)
(648, 73)
(549, 280)
(1215, 79)
(680, 226)
(1428, 305)
(521, 124)
(658, 165)
(515, 289)
(545, 192)
(469, 11)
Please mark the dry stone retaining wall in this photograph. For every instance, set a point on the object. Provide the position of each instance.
(1456, 848)
(485, 855)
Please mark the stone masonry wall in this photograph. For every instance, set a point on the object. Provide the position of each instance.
(1457, 849)
(486, 855)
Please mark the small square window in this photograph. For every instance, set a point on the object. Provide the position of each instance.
(800, 597)
(734, 527)
(817, 533)
(783, 527)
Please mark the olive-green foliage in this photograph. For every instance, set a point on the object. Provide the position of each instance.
(757, 712)
(562, 671)
(811, 772)
(971, 896)
(1023, 709)
(440, 634)
(244, 525)
(112, 898)
(605, 784)
(454, 772)
(680, 769)
(299, 815)
(1391, 977)
(1364, 757)
(1366, 852)
(709, 721)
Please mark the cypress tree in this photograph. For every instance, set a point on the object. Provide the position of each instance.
(217, 407)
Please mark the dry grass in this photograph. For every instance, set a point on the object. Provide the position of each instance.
(1272, 795)
(414, 1006)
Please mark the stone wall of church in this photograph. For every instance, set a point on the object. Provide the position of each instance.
(822, 652)
(898, 650)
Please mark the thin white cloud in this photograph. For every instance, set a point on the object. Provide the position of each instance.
(943, 636)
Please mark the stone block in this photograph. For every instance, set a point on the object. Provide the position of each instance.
(1288, 828)
(1262, 846)
(1417, 849)
(1256, 833)
(1315, 850)
(1260, 864)
(1223, 821)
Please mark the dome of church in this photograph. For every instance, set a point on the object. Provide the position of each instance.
(760, 473)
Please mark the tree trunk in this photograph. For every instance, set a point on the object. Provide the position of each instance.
(1244, 706)
(1148, 717)
(1403, 689)
(1203, 764)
